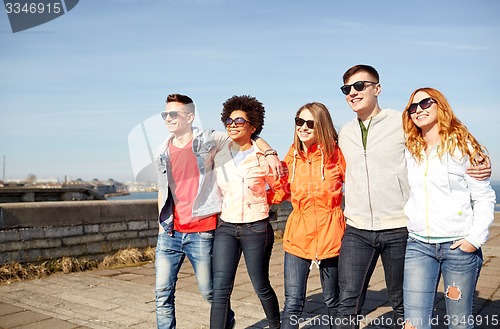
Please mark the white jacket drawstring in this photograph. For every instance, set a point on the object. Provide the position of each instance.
(448, 159)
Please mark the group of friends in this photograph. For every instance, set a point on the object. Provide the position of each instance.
(415, 186)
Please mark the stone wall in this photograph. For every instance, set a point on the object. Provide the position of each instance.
(37, 231)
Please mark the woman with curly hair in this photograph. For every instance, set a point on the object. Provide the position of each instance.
(242, 176)
(449, 213)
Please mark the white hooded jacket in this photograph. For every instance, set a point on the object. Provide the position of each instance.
(445, 203)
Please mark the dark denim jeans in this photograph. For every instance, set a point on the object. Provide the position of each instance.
(296, 273)
(358, 256)
(255, 240)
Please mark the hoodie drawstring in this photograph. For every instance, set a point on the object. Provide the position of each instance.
(295, 153)
(322, 163)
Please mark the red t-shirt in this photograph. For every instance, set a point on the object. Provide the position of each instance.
(186, 176)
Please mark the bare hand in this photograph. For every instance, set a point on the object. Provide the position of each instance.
(464, 245)
(276, 166)
(481, 171)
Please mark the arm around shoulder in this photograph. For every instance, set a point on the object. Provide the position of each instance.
(483, 204)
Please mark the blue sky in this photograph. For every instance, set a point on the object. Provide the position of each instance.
(76, 90)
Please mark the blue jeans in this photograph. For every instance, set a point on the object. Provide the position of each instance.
(359, 253)
(424, 264)
(170, 254)
(296, 273)
(255, 240)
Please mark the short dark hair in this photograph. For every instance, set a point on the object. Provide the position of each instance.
(250, 105)
(183, 99)
(179, 98)
(361, 68)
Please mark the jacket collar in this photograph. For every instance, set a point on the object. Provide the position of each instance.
(163, 146)
(374, 119)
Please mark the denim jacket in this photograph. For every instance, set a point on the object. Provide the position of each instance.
(208, 200)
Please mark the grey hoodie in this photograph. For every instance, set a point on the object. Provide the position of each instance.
(376, 182)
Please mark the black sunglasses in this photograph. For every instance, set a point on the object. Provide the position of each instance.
(172, 114)
(239, 122)
(299, 122)
(358, 85)
(424, 104)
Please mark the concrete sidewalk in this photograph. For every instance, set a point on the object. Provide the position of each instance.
(124, 298)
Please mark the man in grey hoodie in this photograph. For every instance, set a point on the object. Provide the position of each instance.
(376, 190)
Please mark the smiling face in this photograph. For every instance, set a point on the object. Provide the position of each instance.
(363, 102)
(306, 135)
(178, 118)
(241, 135)
(425, 119)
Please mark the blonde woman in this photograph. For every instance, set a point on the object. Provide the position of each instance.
(315, 227)
(449, 213)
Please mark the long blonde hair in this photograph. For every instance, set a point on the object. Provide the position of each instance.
(323, 129)
(453, 133)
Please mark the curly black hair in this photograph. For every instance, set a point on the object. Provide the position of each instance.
(250, 105)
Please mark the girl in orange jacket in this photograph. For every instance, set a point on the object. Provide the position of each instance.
(316, 225)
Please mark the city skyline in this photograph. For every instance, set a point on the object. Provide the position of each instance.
(75, 91)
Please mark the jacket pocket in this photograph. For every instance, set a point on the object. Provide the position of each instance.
(206, 147)
(404, 187)
(259, 207)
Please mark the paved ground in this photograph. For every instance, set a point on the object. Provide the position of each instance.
(124, 298)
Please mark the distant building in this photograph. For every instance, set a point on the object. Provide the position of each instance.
(102, 187)
(141, 187)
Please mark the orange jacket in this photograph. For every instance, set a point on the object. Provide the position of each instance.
(315, 227)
